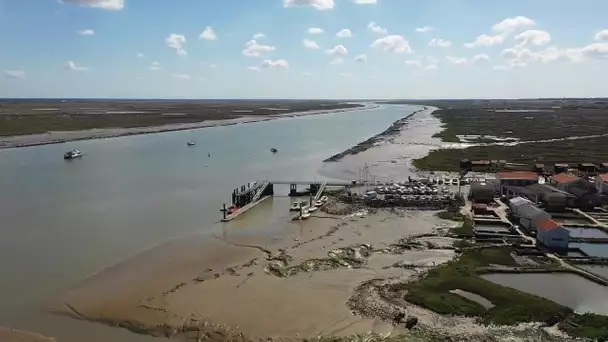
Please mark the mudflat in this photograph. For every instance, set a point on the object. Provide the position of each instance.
(11, 335)
(295, 286)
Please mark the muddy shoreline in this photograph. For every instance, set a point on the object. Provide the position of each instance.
(59, 137)
(387, 135)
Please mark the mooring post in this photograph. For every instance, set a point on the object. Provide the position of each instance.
(224, 210)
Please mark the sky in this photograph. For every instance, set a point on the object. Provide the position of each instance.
(345, 49)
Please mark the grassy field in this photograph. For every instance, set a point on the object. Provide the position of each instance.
(40, 116)
(542, 120)
(510, 306)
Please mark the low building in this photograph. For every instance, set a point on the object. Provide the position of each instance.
(529, 216)
(601, 183)
(482, 192)
(587, 168)
(479, 208)
(480, 164)
(552, 235)
(515, 203)
(517, 178)
(563, 181)
(560, 168)
(539, 169)
(553, 200)
(603, 168)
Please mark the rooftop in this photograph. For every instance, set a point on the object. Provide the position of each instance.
(561, 165)
(604, 177)
(527, 175)
(546, 224)
(564, 178)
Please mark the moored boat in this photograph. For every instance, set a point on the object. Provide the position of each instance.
(305, 215)
(312, 209)
(73, 154)
(274, 150)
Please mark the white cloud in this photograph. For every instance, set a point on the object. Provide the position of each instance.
(15, 74)
(533, 37)
(485, 40)
(361, 58)
(114, 5)
(457, 60)
(344, 33)
(208, 34)
(365, 2)
(213, 66)
(315, 30)
(181, 76)
(310, 44)
(254, 49)
(438, 42)
(336, 61)
(140, 55)
(259, 35)
(602, 35)
(306, 73)
(344, 74)
(595, 50)
(155, 66)
(481, 59)
(277, 64)
(376, 29)
(431, 67)
(316, 4)
(338, 50)
(70, 65)
(176, 41)
(413, 62)
(253, 68)
(424, 29)
(87, 32)
(392, 43)
(512, 24)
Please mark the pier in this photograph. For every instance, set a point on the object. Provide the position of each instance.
(248, 196)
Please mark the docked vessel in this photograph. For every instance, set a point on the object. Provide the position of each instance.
(191, 143)
(295, 206)
(274, 150)
(73, 154)
(305, 215)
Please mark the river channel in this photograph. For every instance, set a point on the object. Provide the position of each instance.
(62, 221)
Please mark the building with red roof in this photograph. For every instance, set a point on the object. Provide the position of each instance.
(517, 178)
(562, 181)
(552, 235)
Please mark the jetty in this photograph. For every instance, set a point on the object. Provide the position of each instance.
(250, 195)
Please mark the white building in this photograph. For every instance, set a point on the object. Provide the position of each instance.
(601, 183)
(552, 235)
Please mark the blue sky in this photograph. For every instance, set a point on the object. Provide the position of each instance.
(257, 48)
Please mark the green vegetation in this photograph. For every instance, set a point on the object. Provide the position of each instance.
(565, 151)
(588, 325)
(29, 117)
(451, 215)
(465, 229)
(511, 306)
(538, 120)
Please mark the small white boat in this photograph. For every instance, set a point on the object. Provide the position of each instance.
(324, 199)
(191, 143)
(73, 154)
(312, 209)
(318, 203)
(295, 206)
(305, 215)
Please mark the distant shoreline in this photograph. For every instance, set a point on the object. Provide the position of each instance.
(393, 130)
(60, 137)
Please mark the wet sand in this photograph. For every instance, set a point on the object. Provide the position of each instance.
(291, 286)
(57, 137)
(11, 335)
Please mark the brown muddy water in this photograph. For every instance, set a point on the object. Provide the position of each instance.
(63, 222)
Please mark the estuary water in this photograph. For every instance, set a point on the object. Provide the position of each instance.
(62, 221)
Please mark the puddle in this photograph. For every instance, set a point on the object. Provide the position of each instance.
(569, 290)
(474, 297)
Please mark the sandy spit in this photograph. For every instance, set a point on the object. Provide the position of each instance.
(12, 335)
(58, 137)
